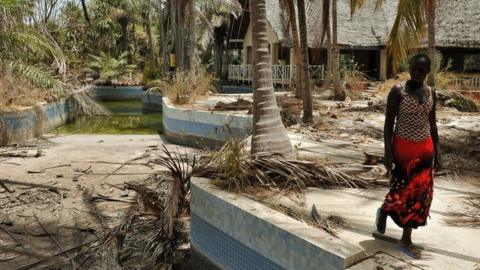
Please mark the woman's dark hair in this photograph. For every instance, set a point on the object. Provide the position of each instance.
(421, 56)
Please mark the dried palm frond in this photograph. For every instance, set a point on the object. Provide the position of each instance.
(469, 218)
(456, 100)
(152, 235)
(181, 172)
(236, 170)
(86, 104)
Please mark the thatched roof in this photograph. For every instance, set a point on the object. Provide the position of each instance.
(458, 23)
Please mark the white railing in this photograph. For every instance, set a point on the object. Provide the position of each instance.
(282, 74)
(471, 81)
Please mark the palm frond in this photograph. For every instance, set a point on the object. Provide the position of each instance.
(19, 41)
(354, 4)
(405, 38)
(111, 68)
(236, 170)
(12, 6)
(408, 30)
(36, 76)
(232, 7)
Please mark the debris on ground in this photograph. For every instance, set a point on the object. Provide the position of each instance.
(152, 234)
(237, 170)
(239, 105)
(470, 216)
(457, 100)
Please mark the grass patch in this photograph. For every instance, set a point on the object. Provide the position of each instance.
(186, 86)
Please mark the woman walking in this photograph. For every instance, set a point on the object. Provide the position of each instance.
(411, 150)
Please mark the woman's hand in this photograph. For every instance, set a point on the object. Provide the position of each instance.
(388, 162)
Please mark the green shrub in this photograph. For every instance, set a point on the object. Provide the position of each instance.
(112, 69)
(151, 73)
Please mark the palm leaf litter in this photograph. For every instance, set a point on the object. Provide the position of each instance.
(469, 217)
(153, 233)
(456, 100)
(237, 170)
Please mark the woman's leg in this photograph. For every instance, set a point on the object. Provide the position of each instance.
(406, 243)
(381, 222)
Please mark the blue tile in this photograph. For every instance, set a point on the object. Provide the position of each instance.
(225, 250)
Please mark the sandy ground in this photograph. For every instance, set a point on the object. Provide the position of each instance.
(80, 198)
(444, 245)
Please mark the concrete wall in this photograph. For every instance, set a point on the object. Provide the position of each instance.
(235, 232)
(204, 129)
(152, 101)
(28, 123)
(113, 93)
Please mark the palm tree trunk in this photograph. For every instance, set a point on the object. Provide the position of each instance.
(190, 59)
(268, 133)
(339, 92)
(180, 35)
(148, 28)
(162, 34)
(307, 91)
(218, 51)
(296, 47)
(431, 40)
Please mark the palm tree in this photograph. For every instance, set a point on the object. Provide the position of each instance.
(289, 7)
(329, 30)
(409, 29)
(23, 49)
(268, 134)
(431, 10)
(192, 60)
(338, 89)
(307, 91)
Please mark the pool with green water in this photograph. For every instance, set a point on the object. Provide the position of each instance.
(127, 117)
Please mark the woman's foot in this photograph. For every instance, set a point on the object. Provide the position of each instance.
(410, 250)
(380, 221)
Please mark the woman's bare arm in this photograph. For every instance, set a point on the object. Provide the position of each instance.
(393, 101)
(434, 133)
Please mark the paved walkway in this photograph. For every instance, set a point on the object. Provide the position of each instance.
(445, 246)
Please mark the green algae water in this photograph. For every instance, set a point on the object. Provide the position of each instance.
(127, 117)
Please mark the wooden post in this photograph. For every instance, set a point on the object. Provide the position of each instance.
(383, 64)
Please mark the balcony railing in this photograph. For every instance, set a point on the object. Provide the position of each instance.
(471, 81)
(282, 74)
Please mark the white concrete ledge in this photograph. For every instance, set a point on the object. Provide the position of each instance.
(238, 233)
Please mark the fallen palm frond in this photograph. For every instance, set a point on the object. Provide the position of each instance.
(180, 172)
(86, 104)
(152, 235)
(468, 218)
(236, 170)
(239, 105)
(456, 100)
(330, 223)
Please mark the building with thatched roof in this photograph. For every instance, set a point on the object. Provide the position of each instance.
(363, 35)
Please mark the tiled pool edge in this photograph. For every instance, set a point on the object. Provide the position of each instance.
(200, 128)
(115, 93)
(151, 101)
(253, 236)
(31, 122)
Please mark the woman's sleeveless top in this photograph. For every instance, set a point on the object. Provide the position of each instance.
(412, 122)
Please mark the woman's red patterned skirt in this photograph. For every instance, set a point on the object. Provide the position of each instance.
(408, 202)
